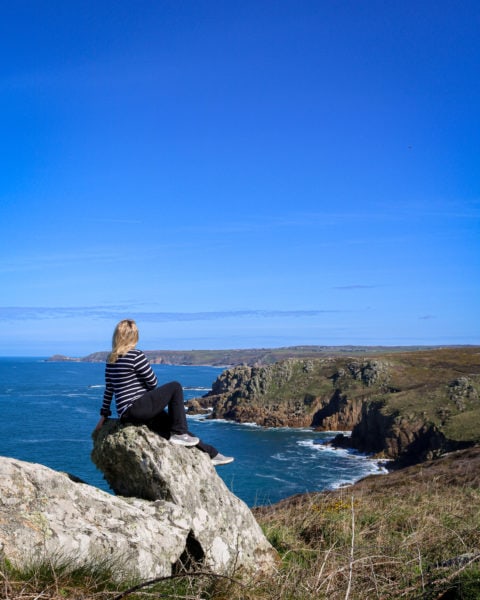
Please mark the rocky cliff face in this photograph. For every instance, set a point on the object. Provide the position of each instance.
(295, 393)
(265, 395)
(406, 406)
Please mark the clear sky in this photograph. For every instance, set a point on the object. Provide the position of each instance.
(253, 173)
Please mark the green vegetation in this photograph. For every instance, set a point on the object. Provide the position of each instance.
(440, 386)
(388, 400)
(412, 534)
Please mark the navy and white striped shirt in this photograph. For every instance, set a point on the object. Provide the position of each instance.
(128, 379)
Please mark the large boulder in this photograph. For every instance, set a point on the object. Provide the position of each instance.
(222, 533)
(47, 516)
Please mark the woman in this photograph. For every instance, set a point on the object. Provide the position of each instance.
(130, 378)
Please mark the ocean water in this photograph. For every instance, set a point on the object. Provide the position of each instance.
(49, 410)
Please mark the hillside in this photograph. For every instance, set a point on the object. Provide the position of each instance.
(411, 534)
(401, 405)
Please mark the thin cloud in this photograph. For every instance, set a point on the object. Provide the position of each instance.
(36, 263)
(9, 313)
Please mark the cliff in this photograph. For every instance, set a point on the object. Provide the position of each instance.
(407, 406)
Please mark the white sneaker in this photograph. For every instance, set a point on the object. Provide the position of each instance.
(219, 459)
(184, 439)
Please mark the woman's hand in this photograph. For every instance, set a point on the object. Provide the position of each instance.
(99, 424)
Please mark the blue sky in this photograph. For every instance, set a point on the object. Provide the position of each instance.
(239, 174)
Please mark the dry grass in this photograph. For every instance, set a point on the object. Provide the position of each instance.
(412, 534)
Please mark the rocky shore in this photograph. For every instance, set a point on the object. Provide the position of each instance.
(406, 406)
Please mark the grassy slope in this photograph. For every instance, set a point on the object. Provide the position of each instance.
(411, 534)
(416, 534)
(424, 379)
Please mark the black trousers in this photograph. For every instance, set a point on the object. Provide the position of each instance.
(149, 410)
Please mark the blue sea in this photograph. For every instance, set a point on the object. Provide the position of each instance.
(49, 410)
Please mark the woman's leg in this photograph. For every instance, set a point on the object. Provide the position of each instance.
(152, 403)
(210, 450)
(150, 409)
(162, 425)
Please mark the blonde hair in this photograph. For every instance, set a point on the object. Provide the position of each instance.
(125, 337)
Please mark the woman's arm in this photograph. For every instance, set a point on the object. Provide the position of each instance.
(107, 398)
(105, 411)
(145, 372)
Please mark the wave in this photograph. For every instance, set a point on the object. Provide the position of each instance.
(52, 440)
(279, 479)
(281, 457)
(203, 417)
(324, 446)
(85, 411)
(196, 389)
(370, 465)
(200, 417)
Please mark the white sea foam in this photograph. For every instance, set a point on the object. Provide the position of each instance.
(371, 466)
(322, 446)
(196, 389)
(53, 440)
(200, 417)
(230, 422)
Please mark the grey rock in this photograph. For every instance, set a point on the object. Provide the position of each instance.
(462, 390)
(175, 512)
(46, 515)
(223, 534)
(368, 371)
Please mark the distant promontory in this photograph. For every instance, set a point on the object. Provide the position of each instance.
(249, 357)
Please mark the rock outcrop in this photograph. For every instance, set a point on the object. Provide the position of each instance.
(48, 516)
(406, 406)
(174, 512)
(221, 533)
(268, 395)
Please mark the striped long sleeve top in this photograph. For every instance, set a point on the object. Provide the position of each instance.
(127, 379)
